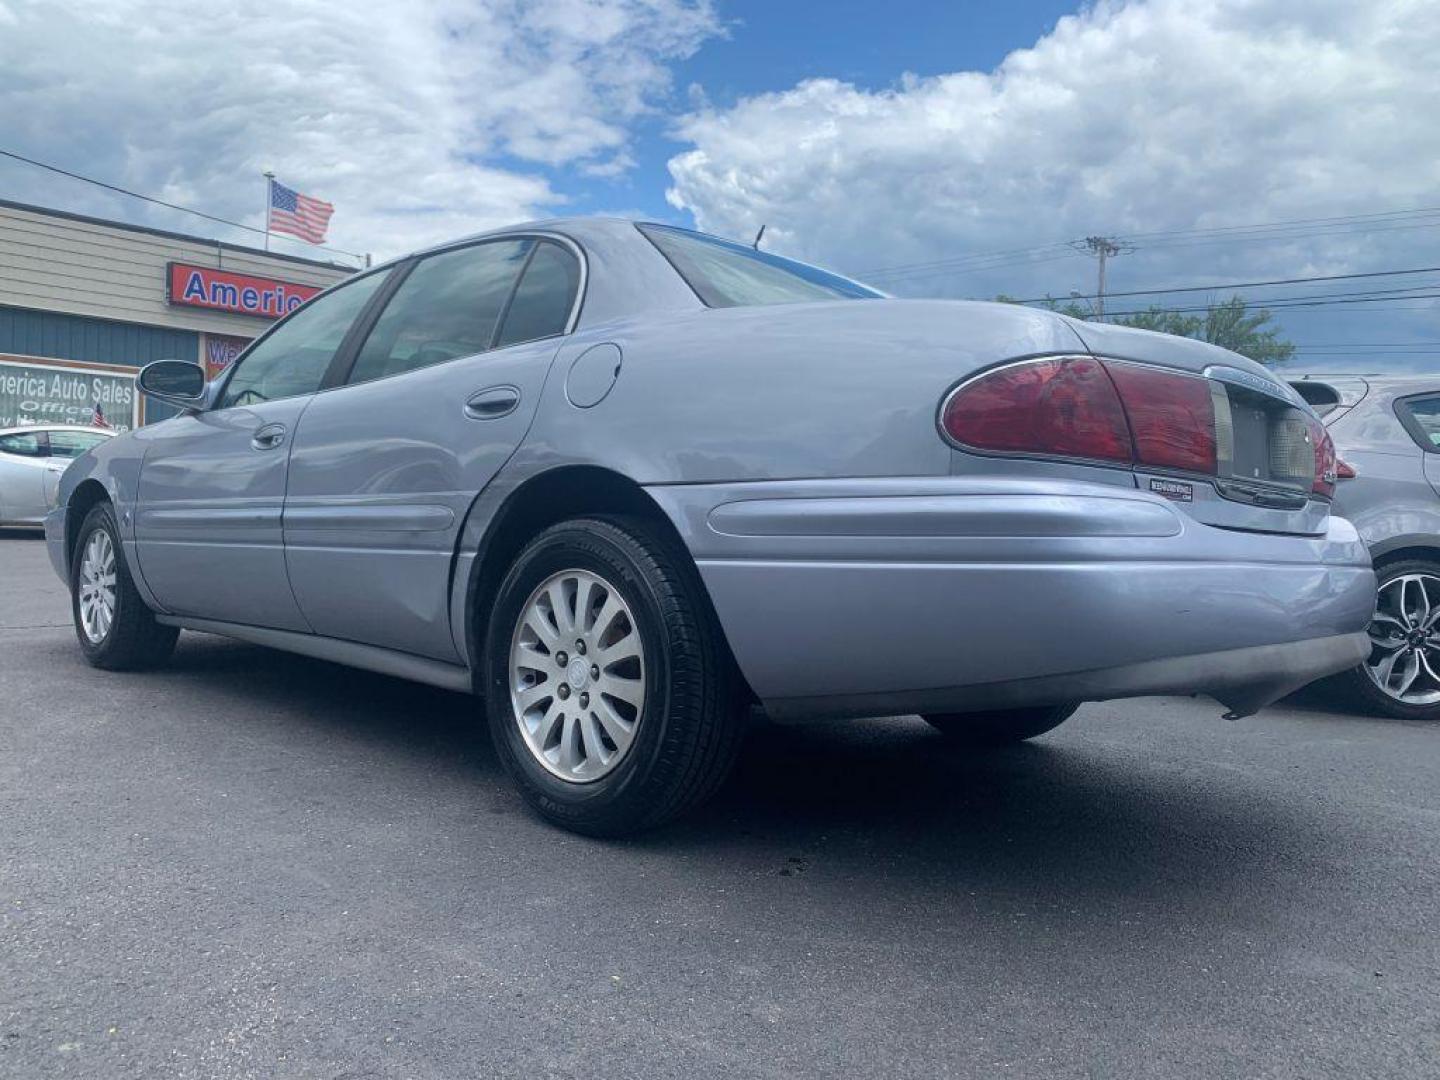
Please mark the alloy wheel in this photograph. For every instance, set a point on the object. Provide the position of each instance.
(577, 675)
(1405, 641)
(97, 586)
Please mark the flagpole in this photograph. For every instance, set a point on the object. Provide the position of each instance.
(269, 180)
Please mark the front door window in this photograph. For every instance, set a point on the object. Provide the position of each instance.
(292, 359)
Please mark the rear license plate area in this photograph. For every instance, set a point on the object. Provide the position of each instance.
(1264, 455)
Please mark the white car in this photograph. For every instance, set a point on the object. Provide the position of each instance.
(31, 461)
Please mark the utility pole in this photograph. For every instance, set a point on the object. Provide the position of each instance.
(1101, 248)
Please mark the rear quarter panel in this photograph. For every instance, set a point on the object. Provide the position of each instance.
(845, 388)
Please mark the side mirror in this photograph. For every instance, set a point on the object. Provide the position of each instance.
(174, 382)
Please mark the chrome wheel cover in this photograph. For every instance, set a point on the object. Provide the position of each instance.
(1405, 641)
(577, 676)
(96, 587)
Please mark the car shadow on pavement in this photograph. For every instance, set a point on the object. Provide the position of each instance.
(852, 803)
(1329, 697)
(1060, 816)
(409, 716)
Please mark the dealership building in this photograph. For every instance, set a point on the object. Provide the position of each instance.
(86, 303)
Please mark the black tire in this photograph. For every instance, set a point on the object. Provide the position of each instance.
(999, 727)
(134, 640)
(688, 734)
(1357, 683)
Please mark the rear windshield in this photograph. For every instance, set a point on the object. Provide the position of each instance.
(726, 274)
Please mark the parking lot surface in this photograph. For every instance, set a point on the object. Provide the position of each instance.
(256, 865)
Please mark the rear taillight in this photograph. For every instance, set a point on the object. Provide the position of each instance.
(1118, 412)
(1326, 464)
(1344, 470)
(1065, 406)
(1083, 408)
(1172, 417)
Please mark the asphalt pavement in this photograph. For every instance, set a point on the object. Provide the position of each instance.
(256, 865)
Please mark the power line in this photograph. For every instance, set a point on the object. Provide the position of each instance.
(1382, 218)
(1371, 345)
(1278, 237)
(902, 273)
(157, 202)
(1409, 292)
(1295, 305)
(986, 261)
(1382, 221)
(1250, 284)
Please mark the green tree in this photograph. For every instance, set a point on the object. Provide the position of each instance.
(1166, 322)
(1230, 324)
(1233, 326)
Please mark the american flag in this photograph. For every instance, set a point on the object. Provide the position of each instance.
(297, 214)
(97, 418)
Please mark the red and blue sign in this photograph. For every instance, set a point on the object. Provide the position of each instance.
(243, 294)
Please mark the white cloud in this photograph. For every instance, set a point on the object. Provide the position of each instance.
(420, 121)
(1169, 114)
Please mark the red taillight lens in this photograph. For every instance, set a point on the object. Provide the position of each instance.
(1065, 406)
(1135, 414)
(1344, 470)
(1079, 407)
(1171, 416)
(1326, 466)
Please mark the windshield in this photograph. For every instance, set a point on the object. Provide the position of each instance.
(726, 274)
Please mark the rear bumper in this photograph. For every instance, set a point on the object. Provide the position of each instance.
(869, 597)
(1243, 680)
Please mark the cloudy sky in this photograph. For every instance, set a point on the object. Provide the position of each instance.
(935, 147)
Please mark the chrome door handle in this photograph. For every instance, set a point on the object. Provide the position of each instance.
(268, 437)
(493, 403)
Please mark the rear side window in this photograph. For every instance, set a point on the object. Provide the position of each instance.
(71, 444)
(1421, 417)
(292, 359)
(448, 307)
(726, 274)
(23, 444)
(545, 297)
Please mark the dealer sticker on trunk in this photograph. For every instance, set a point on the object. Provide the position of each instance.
(1173, 489)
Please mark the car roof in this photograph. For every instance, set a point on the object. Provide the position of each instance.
(579, 229)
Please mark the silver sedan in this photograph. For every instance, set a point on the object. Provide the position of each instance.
(31, 461)
(623, 481)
